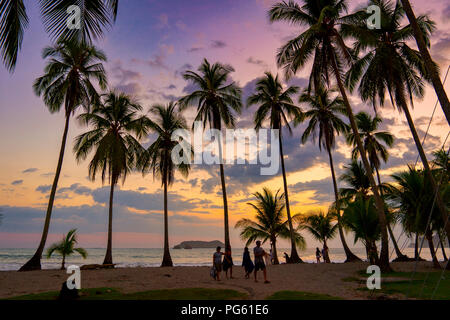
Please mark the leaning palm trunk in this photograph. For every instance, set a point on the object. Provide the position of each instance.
(429, 65)
(444, 256)
(400, 255)
(35, 262)
(63, 263)
(274, 251)
(167, 259)
(294, 255)
(224, 196)
(429, 236)
(326, 257)
(348, 253)
(429, 175)
(108, 255)
(384, 254)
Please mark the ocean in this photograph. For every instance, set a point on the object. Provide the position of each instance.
(13, 259)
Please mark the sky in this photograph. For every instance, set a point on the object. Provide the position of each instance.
(150, 46)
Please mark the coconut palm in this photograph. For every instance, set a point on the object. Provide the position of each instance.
(216, 99)
(356, 180)
(414, 199)
(69, 82)
(360, 216)
(116, 128)
(375, 143)
(390, 65)
(96, 16)
(158, 158)
(269, 224)
(423, 46)
(321, 227)
(66, 247)
(325, 123)
(323, 42)
(275, 105)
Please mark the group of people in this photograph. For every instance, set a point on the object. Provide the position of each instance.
(227, 263)
(322, 254)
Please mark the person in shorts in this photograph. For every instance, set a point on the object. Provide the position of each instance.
(217, 262)
(259, 261)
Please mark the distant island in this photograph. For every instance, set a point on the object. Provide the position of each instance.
(199, 244)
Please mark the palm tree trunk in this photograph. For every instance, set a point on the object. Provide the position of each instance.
(167, 259)
(442, 247)
(108, 256)
(351, 257)
(294, 255)
(416, 247)
(433, 73)
(429, 236)
(274, 251)
(224, 195)
(400, 255)
(63, 263)
(427, 168)
(35, 262)
(326, 258)
(384, 254)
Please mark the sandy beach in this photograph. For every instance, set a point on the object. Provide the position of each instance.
(315, 278)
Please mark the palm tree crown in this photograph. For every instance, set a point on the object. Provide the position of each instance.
(66, 247)
(269, 223)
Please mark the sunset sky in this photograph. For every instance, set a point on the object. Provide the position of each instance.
(152, 43)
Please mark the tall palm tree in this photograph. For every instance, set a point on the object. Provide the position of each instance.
(67, 83)
(324, 122)
(116, 128)
(361, 217)
(415, 198)
(423, 46)
(321, 227)
(375, 143)
(158, 158)
(323, 42)
(216, 100)
(275, 105)
(96, 16)
(356, 180)
(66, 247)
(389, 64)
(269, 223)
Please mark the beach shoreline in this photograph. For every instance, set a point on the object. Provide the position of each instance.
(315, 278)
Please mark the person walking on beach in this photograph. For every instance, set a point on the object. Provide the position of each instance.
(247, 263)
(286, 257)
(217, 262)
(259, 261)
(318, 255)
(228, 262)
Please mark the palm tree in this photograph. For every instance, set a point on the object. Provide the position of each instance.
(375, 143)
(414, 199)
(96, 16)
(389, 64)
(158, 158)
(216, 99)
(324, 122)
(361, 217)
(66, 247)
(269, 209)
(323, 41)
(116, 129)
(276, 105)
(356, 180)
(423, 45)
(321, 227)
(67, 83)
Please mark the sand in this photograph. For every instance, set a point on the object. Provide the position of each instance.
(315, 278)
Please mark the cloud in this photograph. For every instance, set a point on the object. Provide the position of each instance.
(43, 188)
(163, 21)
(30, 170)
(17, 182)
(194, 49)
(218, 44)
(257, 62)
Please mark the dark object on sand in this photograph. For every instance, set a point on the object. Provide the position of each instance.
(97, 266)
(67, 294)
